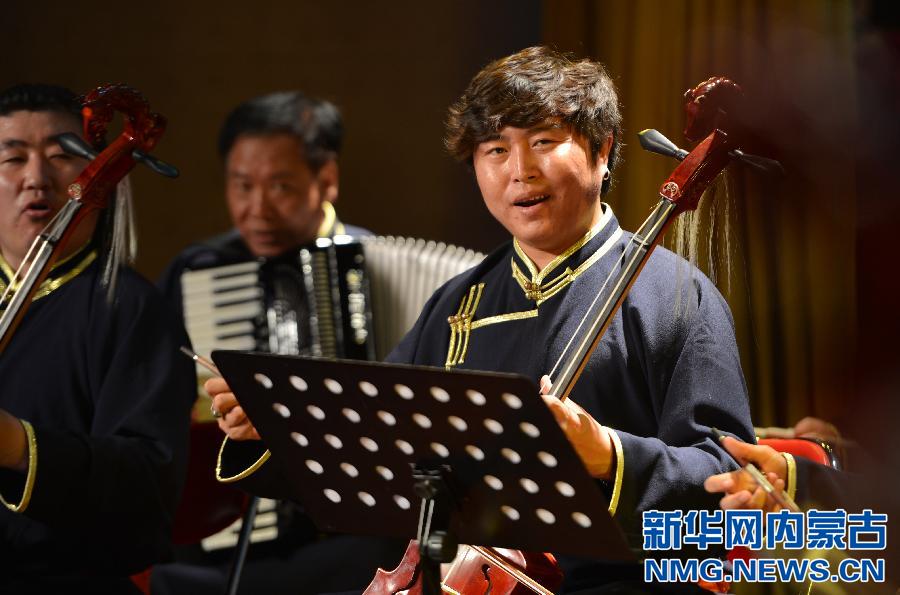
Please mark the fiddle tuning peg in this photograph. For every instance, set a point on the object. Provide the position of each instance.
(764, 164)
(656, 142)
(73, 144)
(157, 165)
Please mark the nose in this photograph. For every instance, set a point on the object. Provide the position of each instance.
(525, 166)
(259, 203)
(37, 174)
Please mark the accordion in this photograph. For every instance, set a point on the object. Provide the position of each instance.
(343, 297)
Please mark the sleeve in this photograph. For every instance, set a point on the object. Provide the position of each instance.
(703, 386)
(250, 467)
(117, 487)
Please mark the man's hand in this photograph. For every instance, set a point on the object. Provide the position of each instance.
(13, 443)
(234, 421)
(739, 488)
(591, 440)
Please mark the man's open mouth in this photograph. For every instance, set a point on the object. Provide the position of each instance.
(531, 200)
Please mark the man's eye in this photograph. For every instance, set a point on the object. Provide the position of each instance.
(496, 151)
(61, 157)
(12, 159)
(544, 141)
(282, 187)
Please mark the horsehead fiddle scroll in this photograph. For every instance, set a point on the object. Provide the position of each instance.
(511, 572)
(90, 191)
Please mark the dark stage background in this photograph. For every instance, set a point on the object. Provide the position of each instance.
(813, 295)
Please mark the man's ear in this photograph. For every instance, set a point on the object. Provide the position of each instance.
(327, 179)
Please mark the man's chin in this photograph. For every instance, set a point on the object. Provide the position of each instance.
(267, 249)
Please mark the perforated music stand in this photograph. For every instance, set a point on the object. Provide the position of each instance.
(351, 434)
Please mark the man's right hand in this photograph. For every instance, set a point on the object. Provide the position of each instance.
(234, 422)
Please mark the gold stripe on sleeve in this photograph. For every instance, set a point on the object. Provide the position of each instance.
(620, 471)
(791, 480)
(32, 471)
(245, 473)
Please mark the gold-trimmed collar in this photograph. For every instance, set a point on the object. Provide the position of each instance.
(61, 273)
(535, 285)
(327, 227)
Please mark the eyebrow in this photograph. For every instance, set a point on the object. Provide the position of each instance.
(532, 130)
(12, 143)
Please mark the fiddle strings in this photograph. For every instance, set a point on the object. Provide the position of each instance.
(25, 265)
(637, 239)
(517, 574)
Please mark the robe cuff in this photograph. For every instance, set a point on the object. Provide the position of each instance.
(620, 472)
(24, 495)
(790, 482)
(239, 460)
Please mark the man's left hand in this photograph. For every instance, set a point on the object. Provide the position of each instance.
(591, 440)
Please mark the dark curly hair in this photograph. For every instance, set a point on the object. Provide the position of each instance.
(531, 87)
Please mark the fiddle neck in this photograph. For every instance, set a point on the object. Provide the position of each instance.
(600, 314)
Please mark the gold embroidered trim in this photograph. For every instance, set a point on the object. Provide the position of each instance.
(504, 318)
(49, 285)
(243, 474)
(328, 220)
(620, 472)
(461, 326)
(791, 480)
(32, 471)
(542, 292)
(538, 277)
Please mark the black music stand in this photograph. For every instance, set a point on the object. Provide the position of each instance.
(445, 456)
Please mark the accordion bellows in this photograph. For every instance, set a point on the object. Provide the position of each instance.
(342, 297)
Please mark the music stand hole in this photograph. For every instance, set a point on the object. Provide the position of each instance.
(440, 394)
(332, 495)
(475, 452)
(299, 439)
(333, 386)
(402, 502)
(314, 466)
(511, 455)
(351, 414)
(421, 420)
(493, 482)
(404, 446)
(386, 473)
(440, 450)
(387, 418)
(369, 444)
(493, 426)
(403, 391)
(366, 498)
(316, 412)
(546, 458)
(263, 380)
(458, 423)
(298, 383)
(565, 489)
(581, 519)
(333, 441)
(350, 470)
(476, 397)
(545, 515)
(529, 485)
(368, 389)
(512, 401)
(529, 430)
(281, 410)
(510, 512)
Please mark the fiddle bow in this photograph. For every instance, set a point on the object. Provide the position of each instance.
(498, 571)
(91, 190)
